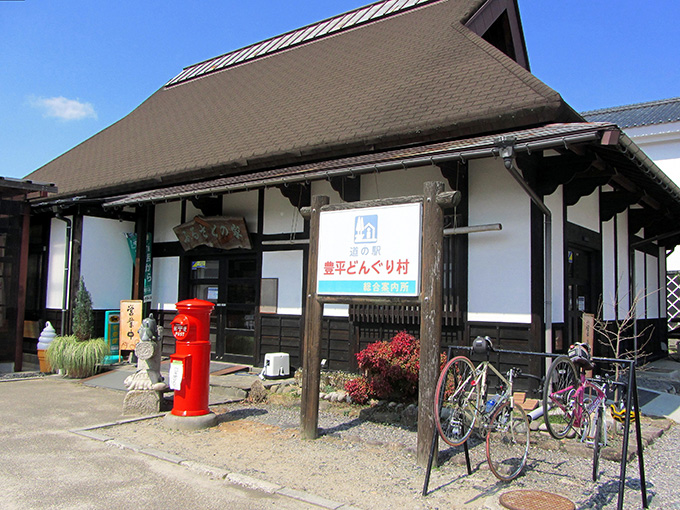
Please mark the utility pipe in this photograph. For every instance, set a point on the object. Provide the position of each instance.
(507, 152)
(472, 229)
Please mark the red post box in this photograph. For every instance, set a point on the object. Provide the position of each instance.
(190, 365)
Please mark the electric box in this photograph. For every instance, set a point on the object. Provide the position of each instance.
(276, 365)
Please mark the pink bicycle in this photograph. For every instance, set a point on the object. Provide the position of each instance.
(571, 401)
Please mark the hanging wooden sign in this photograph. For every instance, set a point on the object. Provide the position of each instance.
(216, 232)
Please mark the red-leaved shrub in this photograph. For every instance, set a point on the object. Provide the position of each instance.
(389, 370)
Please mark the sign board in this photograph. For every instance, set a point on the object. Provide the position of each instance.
(372, 251)
(112, 330)
(588, 329)
(130, 322)
(215, 231)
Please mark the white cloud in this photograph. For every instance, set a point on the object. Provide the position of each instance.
(63, 108)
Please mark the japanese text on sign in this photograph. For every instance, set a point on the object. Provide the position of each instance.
(370, 251)
(130, 320)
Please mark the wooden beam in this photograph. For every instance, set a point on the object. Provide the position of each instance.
(311, 362)
(430, 316)
(21, 275)
(348, 187)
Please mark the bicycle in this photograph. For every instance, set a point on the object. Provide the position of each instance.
(460, 403)
(570, 400)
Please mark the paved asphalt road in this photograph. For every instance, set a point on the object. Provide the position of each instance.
(44, 466)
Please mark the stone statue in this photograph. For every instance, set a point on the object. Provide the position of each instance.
(146, 385)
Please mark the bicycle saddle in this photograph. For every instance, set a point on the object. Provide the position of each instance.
(579, 353)
(482, 345)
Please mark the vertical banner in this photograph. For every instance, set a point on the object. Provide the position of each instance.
(148, 268)
(148, 261)
(130, 322)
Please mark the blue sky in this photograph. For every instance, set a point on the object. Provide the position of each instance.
(70, 68)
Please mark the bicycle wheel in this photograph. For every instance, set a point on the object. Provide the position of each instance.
(599, 440)
(507, 444)
(456, 401)
(558, 397)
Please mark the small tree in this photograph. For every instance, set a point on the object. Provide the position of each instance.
(83, 318)
(618, 334)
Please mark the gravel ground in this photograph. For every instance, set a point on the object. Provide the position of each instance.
(372, 465)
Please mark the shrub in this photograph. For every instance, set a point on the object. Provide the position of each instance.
(78, 359)
(83, 318)
(389, 370)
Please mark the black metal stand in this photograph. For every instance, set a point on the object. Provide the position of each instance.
(631, 398)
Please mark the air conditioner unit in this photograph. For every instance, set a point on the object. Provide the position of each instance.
(276, 365)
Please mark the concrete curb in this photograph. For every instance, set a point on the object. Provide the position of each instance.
(212, 472)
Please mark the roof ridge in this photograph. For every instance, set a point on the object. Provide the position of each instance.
(341, 22)
(622, 108)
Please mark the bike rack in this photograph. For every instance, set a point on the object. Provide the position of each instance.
(631, 398)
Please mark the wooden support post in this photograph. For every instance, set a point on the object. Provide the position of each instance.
(311, 363)
(430, 317)
(22, 271)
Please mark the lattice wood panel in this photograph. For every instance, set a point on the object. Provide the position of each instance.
(673, 285)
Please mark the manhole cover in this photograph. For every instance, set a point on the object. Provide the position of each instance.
(534, 500)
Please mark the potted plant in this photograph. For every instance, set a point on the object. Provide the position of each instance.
(79, 355)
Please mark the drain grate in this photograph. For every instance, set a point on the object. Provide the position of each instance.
(534, 500)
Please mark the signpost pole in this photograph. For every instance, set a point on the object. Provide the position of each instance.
(311, 363)
(430, 317)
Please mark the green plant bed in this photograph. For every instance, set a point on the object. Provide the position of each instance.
(77, 358)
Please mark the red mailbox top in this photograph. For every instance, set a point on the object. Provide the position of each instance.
(195, 305)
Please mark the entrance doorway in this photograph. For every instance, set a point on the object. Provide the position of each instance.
(232, 283)
(582, 289)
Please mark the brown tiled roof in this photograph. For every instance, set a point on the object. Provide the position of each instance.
(417, 76)
(526, 140)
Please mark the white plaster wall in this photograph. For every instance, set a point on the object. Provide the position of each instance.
(55, 264)
(663, 288)
(652, 281)
(623, 277)
(242, 204)
(165, 283)
(280, 216)
(106, 263)
(640, 292)
(499, 277)
(192, 211)
(586, 212)
(325, 188)
(608, 271)
(287, 267)
(166, 217)
(399, 182)
(554, 203)
(661, 142)
(673, 260)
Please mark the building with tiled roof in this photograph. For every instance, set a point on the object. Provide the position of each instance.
(215, 169)
(654, 126)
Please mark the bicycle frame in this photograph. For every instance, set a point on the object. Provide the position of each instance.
(579, 406)
(481, 374)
